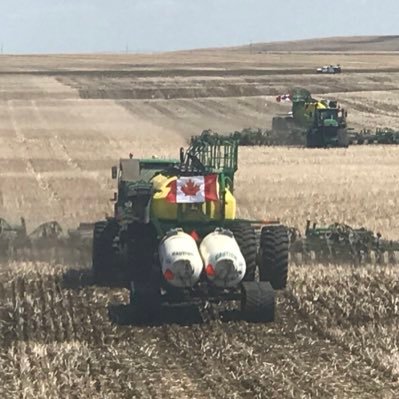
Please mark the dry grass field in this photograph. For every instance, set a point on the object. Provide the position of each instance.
(64, 120)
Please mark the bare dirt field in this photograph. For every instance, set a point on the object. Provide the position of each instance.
(64, 120)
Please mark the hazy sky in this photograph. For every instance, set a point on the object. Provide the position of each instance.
(37, 26)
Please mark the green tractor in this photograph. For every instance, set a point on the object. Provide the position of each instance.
(175, 237)
(316, 123)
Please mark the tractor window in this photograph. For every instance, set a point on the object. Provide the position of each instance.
(328, 114)
(130, 169)
(149, 169)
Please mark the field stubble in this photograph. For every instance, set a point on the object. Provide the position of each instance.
(57, 340)
(335, 334)
(357, 186)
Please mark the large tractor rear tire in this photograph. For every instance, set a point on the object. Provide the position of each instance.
(144, 273)
(141, 251)
(273, 256)
(257, 301)
(278, 124)
(343, 138)
(246, 239)
(313, 140)
(145, 301)
(104, 261)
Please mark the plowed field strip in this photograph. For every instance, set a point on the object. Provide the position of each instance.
(290, 351)
(214, 378)
(236, 365)
(156, 374)
(106, 358)
(7, 335)
(143, 370)
(68, 331)
(60, 149)
(23, 146)
(353, 341)
(286, 359)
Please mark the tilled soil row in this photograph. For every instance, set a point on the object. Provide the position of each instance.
(286, 359)
(58, 341)
(60, 323)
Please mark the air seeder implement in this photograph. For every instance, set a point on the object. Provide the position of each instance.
(175, 237)
(321, 122)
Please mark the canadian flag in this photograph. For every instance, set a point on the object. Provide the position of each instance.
(283, 97)
(193, 189)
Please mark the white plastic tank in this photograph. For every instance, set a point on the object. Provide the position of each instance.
(224, 263)
(180, 260)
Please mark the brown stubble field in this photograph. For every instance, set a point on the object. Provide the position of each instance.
(336, 333)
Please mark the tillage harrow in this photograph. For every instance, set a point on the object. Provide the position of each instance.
(340, 243)
(336, 243)
(48, 242)
(380, 136)
(265, 137)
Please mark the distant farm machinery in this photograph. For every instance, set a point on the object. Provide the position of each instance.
(48, 242)
(335, 243)
(264, 137)
(379, 136)
(340, 243)
(310, 123)
(322, 123)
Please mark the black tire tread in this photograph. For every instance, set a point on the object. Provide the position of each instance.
(245, 236)
(274, 256)
(258, 301)
(145, 302)
(103, 260)
(343, 139)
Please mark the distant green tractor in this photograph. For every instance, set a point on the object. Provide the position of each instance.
(175, 237)
(317, 123)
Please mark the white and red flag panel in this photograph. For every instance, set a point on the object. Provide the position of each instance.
(193, 189)
(283, 97)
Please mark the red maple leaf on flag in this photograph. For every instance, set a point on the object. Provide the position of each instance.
(190, 188)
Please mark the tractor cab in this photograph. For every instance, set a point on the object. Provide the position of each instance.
(327, 117)
(135, 188)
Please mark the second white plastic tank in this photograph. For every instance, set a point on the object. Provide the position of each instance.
(224, 263)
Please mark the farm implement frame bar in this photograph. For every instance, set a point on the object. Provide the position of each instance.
(334, 243)
(265, 137)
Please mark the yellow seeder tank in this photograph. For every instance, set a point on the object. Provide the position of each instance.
(161, 208)
(310, 107)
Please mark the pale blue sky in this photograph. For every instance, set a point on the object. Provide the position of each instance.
(45, 26)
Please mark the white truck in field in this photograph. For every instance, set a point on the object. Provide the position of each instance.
(329, 69)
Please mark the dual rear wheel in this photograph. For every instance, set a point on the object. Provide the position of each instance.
(271, 260)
